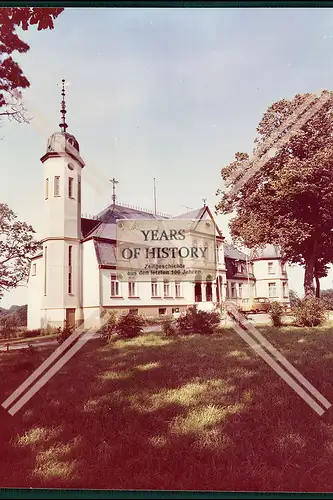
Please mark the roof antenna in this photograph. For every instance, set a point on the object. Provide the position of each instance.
(63, 125)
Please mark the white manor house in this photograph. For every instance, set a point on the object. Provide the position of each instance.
(74, 278)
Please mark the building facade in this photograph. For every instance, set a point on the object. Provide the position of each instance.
(74, 277)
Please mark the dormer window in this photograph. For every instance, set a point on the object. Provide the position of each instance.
(239, 268)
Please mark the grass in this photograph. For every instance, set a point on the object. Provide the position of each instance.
(21, 340)
(186, 413)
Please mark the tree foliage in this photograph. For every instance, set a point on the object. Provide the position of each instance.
(289, 201)
(12, 78)
(17, 246)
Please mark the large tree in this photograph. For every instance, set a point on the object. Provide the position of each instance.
(12, 79)
(17, 246)
(289, 200)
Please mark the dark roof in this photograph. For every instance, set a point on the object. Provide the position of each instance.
(87, 225)
(106, 253)
(231, 252)
(267, 252)
(106, 224)
(195, 214)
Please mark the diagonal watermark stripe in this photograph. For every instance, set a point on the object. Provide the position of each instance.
(255, 344)
(301, 379)
(246, 170)
(74, 336)
(49, 374)
(53, 370)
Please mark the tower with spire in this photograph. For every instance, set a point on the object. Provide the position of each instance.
(62, 168)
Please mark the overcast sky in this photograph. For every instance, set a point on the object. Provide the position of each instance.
(165, 93)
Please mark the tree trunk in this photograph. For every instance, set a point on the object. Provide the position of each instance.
(308, 276)
(317, 286)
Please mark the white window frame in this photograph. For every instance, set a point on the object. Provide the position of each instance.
(166, 288)
(154, 288)
(270, 295)
(56, 185)
(132, 288)
(178, 289)
(270, 268)
(114, 286)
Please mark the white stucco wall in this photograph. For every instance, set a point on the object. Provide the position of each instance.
(263, 278)
(90, 276)
(35, 294)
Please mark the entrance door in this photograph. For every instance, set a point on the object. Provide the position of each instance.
(70, 317)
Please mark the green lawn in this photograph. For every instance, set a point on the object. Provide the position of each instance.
(195, 413)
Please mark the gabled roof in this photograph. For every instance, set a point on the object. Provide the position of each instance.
(231, 252)
(267, 252)
(105, 224)
(105, 253)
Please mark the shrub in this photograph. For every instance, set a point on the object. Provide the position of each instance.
(110, 326)
(64, 333)
(8, 327)
(168, 328)
(276, 311)
(130, 325)
(198, 321)
(310, 311)
(31, 333)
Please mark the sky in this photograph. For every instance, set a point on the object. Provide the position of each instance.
(165, 93)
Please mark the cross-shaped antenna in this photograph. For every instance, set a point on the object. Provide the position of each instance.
(114, 182)
(204, 200)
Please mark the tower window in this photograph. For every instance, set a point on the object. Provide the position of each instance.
(46, 189)
(45, 268)
(57, 186)
(70, 269)
(270, 268)
(79, 191)
(70, 187)
(34, 266)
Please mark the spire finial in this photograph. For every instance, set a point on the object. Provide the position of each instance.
(204, 201)
(114, 182)
(63, 125)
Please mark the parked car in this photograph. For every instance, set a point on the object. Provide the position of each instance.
(257, 305)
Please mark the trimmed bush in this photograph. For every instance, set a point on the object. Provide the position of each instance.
(110, 327)
(276, 311)
(168, 328)
(310, 311)
(130, 325)
(31, 333)
(198, 321)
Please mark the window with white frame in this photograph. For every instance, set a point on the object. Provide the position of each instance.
(272, 289)
(240, 290)
(70, 249)
(46, 189)
(154, 288)
(57, 186)
(178, 289)
(70, 187)
(114, 286)
(239, 267)
(285, 290)
(233, 290)
(270, 268)
(131, 289)
(166, 288)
